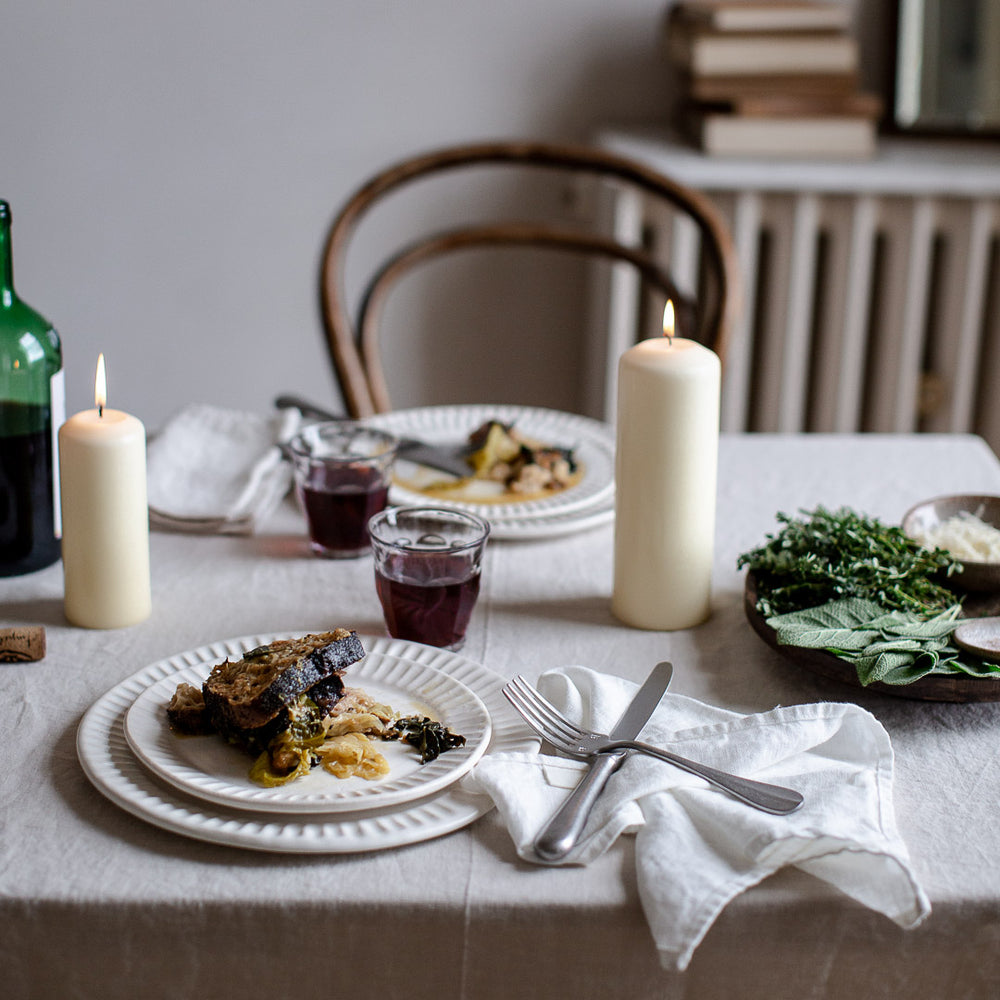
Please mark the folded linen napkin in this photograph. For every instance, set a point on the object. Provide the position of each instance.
(217, 471)
(696, 847)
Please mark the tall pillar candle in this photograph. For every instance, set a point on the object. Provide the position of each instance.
(665, 471)
(105, 543)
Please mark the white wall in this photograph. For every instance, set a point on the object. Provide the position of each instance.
(173, 167)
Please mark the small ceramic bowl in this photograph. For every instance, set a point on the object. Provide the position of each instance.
(974, 575)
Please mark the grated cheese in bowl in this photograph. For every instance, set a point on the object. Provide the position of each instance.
(965, 536)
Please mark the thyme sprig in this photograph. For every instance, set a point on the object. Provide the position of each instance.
(826, 555)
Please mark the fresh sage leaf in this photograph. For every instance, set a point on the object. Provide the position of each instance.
(839, 623)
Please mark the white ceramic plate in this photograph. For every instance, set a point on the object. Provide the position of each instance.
(592, 442)
(554, 525)
(118, 774)
(209, 768)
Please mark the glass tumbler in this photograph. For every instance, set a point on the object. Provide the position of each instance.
(427, 569)
(342, 475)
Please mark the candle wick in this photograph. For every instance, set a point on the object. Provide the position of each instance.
(100, 410)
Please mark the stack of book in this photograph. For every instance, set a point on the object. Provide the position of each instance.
(771, 78)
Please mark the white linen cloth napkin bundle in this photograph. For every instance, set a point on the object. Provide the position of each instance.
(697, 847)
(218, 471)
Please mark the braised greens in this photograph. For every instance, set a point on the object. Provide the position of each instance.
(308, 741)
(428, 737)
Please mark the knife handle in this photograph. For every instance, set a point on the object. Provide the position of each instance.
(563, 830)
(759, 794)
(308, 409)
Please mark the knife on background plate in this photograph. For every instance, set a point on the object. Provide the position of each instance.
(443, 459)
(563, 830)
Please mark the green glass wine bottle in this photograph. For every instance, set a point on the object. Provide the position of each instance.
(32, 406)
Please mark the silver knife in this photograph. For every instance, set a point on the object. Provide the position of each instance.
(436, 457)
(563, 830)
(444, 459)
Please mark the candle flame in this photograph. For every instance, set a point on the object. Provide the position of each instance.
(668, 320)
(100, 386)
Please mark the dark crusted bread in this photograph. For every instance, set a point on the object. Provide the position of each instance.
(186, 714)
(323, 694)
(251, 693)
(186, 711)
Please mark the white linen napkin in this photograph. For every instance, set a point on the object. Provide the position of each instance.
(217, 471)
(697, 847)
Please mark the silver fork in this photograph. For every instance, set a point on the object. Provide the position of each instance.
(574, 741)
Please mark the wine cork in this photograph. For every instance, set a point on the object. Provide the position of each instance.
(21, 643)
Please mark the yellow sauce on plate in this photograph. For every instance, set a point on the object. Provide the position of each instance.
(438, 486)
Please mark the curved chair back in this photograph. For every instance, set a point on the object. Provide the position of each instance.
(354, 344)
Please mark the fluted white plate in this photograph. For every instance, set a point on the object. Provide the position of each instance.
(592, 442)
(209, 768)
(117, 773)
(554, 525)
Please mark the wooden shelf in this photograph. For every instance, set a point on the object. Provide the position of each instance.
(903, 166)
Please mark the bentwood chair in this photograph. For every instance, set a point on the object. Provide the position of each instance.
(354, 340)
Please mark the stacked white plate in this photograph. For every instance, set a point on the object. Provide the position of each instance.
(589, 502)
(199, 786)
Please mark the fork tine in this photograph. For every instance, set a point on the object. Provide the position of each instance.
(525, 711)
(541, 715)
(519, 695)
(550, 713)
(516, 697)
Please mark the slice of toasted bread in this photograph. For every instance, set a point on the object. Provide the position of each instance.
(250, 693)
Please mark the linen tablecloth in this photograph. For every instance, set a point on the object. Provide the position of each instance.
(97, 903)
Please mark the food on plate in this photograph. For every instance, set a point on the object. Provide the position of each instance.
(251, 697)
(286, 704)
(505, 465)
(186, 711)
(964, 536)
(430, 738)
(863, 591)
(501, 453)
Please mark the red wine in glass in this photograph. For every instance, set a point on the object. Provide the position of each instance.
(338, 502)
(430, 600)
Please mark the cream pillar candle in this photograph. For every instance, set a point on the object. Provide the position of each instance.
(665, 471)
(105, 543)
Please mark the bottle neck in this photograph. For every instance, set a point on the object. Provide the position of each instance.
(6, 258)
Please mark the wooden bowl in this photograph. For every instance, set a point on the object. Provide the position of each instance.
(975, 576)
(933, 687)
